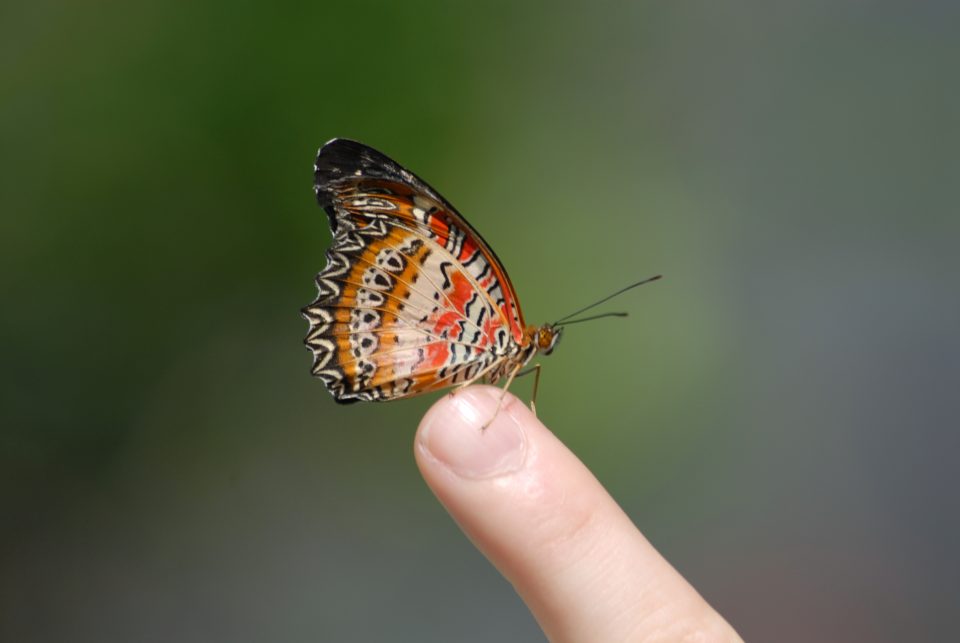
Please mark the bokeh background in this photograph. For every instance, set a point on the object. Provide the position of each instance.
(779, 415)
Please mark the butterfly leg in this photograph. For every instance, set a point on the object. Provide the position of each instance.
(536, 385)
(503, 394)
(475, 378)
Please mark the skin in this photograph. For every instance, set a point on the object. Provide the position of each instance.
(536, 512)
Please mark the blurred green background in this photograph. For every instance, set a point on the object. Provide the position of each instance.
(779, 415)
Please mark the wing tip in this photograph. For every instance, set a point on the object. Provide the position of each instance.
(337, 159)
(341, 157)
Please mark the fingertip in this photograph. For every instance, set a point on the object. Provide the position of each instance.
(471, 434)
(545, 522)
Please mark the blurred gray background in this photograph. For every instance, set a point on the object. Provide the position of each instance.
(779, 415)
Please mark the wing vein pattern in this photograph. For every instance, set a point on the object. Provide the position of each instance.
(411, 299)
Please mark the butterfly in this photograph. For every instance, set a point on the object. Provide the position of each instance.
(412, 299)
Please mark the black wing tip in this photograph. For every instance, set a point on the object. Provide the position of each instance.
(343, 149)
(337, 158)
(340, 157)
(343, 158)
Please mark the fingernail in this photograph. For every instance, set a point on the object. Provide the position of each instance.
(452, 434)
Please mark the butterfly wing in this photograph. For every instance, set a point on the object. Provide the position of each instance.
(412, 299)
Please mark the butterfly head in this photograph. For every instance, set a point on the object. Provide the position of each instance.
(546, 338)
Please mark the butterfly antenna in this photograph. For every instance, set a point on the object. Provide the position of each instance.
(606, 299)
(591, 318)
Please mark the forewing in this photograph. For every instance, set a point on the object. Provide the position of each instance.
(411, 298)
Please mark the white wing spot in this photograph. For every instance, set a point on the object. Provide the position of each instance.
(369, 298)
(364, 320)
(375, 279)
(389, 259)
(363, 344)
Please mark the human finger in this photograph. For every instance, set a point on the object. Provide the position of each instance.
(547, 524)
